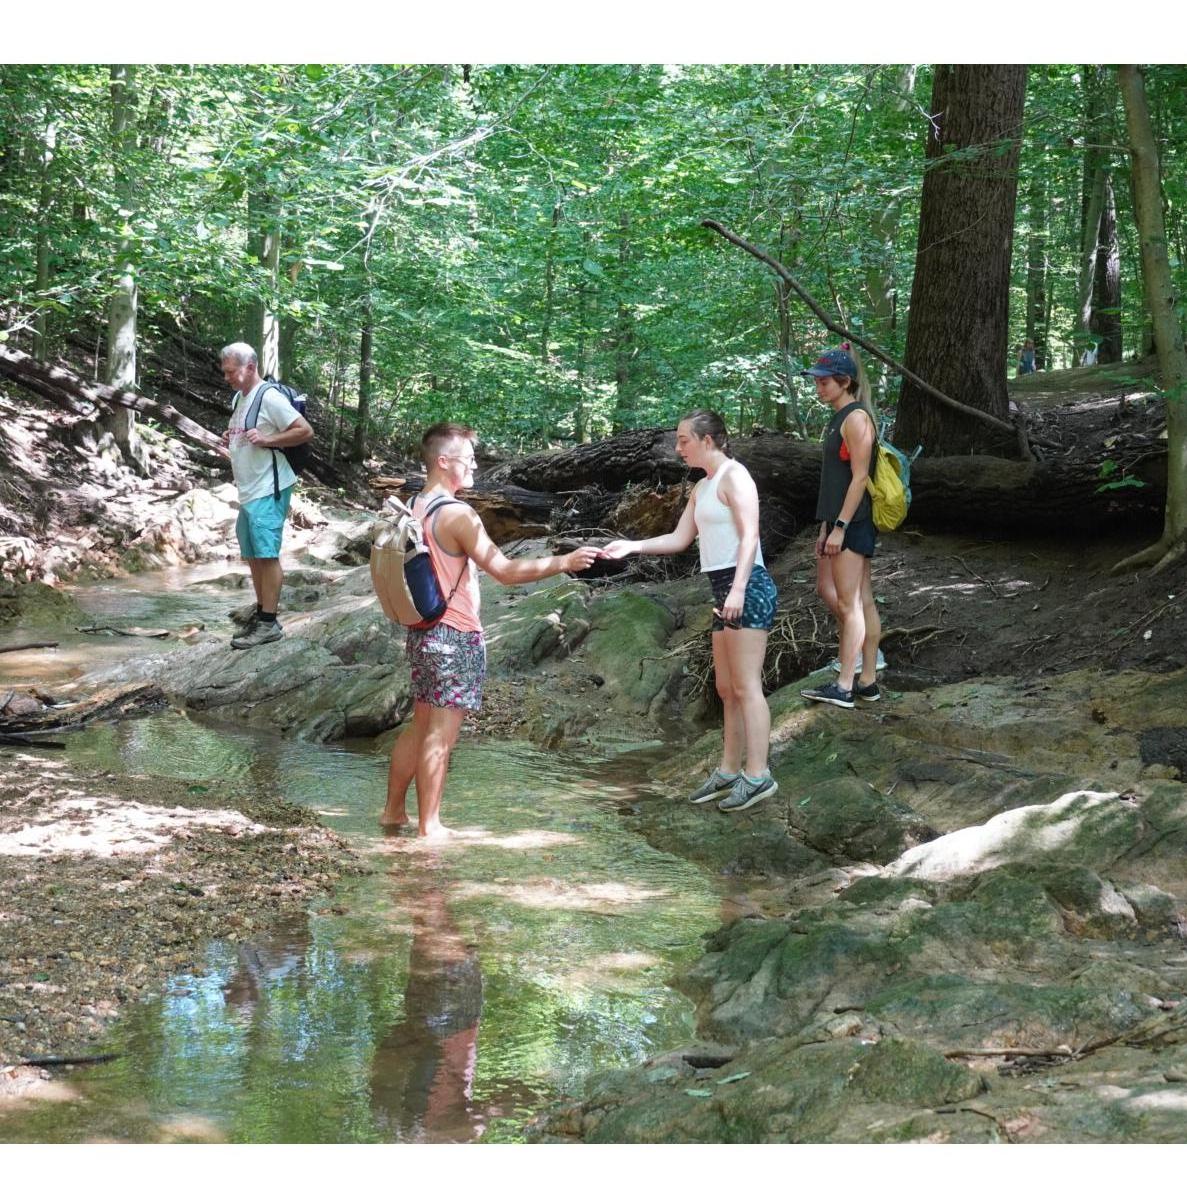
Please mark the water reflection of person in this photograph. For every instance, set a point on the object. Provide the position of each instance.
(422, 1077)
(266, 961)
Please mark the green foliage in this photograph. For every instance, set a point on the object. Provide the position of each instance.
(525, 240)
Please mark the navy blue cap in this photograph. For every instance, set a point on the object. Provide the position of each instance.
(834, 362)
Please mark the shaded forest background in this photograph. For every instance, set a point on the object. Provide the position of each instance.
(521, 247)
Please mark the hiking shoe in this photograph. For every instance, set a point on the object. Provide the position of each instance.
(244, 615)
(261, 632)
(748, 792)
(246, 624)
(713, 788)
(880, 666)
(829, 694)
(867, 692)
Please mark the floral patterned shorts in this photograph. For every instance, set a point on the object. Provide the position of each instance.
(448, 666)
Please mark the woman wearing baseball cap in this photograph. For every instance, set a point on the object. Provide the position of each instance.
(847, 533)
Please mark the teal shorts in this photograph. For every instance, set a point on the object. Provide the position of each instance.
(261, 524)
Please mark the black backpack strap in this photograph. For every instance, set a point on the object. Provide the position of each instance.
(252, 420)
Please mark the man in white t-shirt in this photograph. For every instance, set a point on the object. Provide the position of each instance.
(264, 494)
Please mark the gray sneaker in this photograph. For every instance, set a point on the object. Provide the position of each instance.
(879, 666)
(717, 785)
(247, 625)
(748, 793)
(261, 632)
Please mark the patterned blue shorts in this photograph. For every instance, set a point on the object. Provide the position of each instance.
(758, 608)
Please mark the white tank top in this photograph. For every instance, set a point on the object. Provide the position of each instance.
(717, 535)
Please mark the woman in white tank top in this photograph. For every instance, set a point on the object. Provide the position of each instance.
(722, 515)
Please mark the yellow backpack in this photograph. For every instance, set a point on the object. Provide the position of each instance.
(890, 493)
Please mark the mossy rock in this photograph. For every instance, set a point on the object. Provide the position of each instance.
(788, 1091)
(845, 817)
(625, 646)
(35, 604)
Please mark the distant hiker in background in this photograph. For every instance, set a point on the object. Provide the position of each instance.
(1026, 358)
(448, 658)
(265, 481)
(1088, 358)
(722, 515)
(847, 535)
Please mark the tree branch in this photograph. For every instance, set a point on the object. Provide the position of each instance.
(1016, 430)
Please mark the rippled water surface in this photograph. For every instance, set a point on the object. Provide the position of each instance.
(444, 996)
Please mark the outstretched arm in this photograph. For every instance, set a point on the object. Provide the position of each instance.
(674, 541)
(462, 531)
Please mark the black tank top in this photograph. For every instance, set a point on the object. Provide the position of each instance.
(836, 473)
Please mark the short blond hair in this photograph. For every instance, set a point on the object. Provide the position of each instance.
(436, 435)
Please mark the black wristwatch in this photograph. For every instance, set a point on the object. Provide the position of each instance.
(840, 523)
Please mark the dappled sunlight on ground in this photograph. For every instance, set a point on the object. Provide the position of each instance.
(460, 838)
(20, 1085)
(100, 827)
(605, 898)
(191, 1128)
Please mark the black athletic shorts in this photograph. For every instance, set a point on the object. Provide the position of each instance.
(860, 536)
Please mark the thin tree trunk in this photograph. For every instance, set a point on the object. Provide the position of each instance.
(580, 427)
(1094, 204)
(44, 209)
(624, 337)
(1036, 269)
(1168, 334)
(1106, 294)
(121, 316)
(366, 338)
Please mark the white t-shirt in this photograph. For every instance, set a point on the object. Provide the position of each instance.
(252, 464)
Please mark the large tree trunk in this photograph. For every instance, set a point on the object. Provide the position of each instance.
(1106, 293)
(1160, 297)
(959, 317)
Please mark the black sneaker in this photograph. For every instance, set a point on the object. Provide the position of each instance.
(717, 785)
(829, 694)
(748, 792)
(867, 692)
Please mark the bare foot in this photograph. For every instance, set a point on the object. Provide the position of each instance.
(393, 821)
(436, 833)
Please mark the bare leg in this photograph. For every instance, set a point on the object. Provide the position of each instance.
(402, 769)
(873, 621)
(432, 765)
(847, 568)
(266, 579)
(734, 731)
(747, 648)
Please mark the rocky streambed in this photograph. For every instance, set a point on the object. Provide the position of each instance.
(961, 918)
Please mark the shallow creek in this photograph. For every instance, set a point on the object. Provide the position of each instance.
(443, 996)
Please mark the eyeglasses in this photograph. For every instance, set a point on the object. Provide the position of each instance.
(469, 462)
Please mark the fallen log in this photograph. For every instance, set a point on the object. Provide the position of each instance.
(974, 492)
(122, 701)
(10, 647)
(69, 389)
